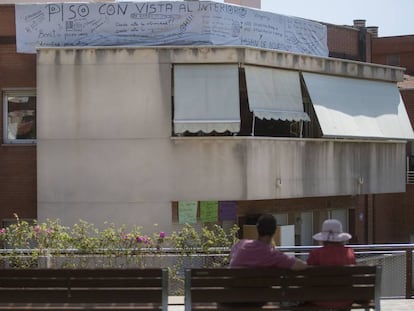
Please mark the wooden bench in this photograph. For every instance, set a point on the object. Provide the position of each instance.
(219, 288)
(84, 289)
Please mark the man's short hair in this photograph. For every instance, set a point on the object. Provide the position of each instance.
(266, 225)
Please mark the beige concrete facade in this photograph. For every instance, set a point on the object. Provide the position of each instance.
(106, 152)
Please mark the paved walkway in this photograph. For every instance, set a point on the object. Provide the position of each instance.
(176, 303)
(397, 304)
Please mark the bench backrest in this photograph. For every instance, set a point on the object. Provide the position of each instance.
(244, 285)
(137, 286)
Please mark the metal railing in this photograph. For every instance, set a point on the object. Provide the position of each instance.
(410, 177)
(396, 261)
(410, 174)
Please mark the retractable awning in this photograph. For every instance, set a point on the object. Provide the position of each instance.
(274, 94)
(356, 108)
(206, 98)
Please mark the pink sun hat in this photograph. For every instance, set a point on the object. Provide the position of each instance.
(332, 232)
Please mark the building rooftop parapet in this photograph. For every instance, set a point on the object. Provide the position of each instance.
(236, 54)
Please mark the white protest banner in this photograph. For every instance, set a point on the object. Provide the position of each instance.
(163, 23)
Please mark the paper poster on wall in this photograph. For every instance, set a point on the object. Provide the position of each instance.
(163, 23)
(187, 212)
(228, 210)
(209, 211)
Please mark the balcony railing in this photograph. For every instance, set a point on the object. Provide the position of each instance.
(410, 177)
(410, 173)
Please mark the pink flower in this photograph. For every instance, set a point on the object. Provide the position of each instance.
(37, 229)
(49, 230)
(139, 239)
(162, 234)
(3, 231)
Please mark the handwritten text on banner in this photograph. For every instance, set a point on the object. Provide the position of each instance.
(163, 23)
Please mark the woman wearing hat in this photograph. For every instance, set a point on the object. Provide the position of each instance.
(332, 253)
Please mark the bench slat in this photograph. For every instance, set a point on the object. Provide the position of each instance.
(29, 273)
(125, 273)
(235, 282)
(115, 296)
(237, 272)
(33, 295)
(329, 293)
(234, 294)
(114, 283)
(333, 280)
(33, 282)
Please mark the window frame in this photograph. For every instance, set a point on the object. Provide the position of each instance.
(23, 92)
(393, 59)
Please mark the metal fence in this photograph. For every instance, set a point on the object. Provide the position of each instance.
(396, 261)
(410, 177)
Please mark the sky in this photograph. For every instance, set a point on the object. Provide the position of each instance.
(393, 17)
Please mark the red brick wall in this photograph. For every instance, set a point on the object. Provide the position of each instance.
(408, 97)
(399, 45)
(343, 42)
(385, 218)
(17, 163)
(394, 217)
(394, 212)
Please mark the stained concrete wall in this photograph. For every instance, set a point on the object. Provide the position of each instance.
(106, 153)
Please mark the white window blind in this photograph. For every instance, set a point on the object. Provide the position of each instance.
(206, 98)
(274, 94)
(356, 108)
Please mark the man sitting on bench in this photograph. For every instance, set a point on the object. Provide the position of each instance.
(261, 252)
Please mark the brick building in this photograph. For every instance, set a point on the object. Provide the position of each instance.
(394, 51)
(18, 192)
(396, 220)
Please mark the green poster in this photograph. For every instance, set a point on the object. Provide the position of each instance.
(209, 211)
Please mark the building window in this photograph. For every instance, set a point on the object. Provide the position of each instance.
(393, 60)
(19, 116)
(224, 100)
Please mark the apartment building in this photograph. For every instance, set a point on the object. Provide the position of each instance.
(118, 153)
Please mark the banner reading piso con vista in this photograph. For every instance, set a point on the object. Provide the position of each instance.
(164, 23)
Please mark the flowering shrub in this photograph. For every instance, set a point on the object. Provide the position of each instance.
(116, 246)
(53, 245)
